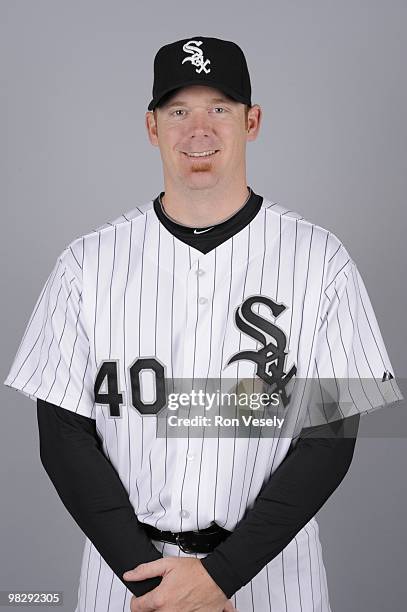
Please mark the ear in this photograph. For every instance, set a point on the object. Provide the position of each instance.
(151, 127)
(254, 118)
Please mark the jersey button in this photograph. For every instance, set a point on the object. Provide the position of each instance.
(200, 272)
(202, 300)
(184, 514)
(190, 456)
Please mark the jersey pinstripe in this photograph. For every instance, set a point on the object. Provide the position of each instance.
(128, 290)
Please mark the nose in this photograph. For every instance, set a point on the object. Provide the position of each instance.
(200, 124)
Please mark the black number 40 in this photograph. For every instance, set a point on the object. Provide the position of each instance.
(113, 398)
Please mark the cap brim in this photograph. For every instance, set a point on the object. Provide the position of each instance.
(228, 90)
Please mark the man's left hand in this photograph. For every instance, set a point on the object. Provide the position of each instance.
(186, 587)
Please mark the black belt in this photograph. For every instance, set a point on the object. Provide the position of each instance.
(200, 541)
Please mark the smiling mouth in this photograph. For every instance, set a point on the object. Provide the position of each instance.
(203, 155)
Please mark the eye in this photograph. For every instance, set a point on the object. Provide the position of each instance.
(178, 110)
(220, 108)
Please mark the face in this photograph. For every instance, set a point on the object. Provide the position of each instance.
(197, 119)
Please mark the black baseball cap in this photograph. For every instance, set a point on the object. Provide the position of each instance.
(201, 60)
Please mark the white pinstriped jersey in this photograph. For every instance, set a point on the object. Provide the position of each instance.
(129, 293)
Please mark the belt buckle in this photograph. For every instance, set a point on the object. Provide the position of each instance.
(182, 545)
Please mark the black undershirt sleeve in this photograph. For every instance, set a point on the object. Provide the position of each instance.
(298, 488)
(92, 492)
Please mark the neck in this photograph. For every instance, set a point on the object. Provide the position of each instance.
(204, 207)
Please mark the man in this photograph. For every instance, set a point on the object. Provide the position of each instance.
(207, 282)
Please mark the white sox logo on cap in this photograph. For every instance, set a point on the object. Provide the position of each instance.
(197, 58)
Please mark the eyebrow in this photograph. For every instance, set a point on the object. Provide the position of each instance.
(183, 103)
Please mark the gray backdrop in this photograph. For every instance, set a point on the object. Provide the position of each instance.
(76, 79)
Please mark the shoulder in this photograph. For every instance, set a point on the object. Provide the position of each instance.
(315, 239)
(73, 254)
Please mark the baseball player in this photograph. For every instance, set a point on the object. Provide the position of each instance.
(208, 281)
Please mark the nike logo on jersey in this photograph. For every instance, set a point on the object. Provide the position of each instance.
(202, 231)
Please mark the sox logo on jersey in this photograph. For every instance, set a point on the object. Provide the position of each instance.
(271, 358)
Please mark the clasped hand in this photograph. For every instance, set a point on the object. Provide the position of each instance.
(186, 586)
